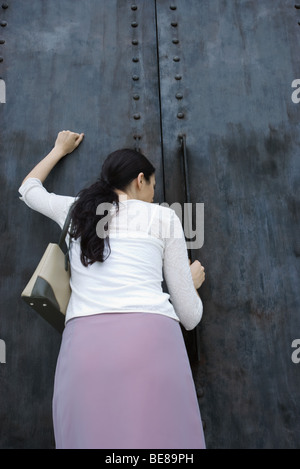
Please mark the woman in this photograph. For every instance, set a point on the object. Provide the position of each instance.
(123, 379)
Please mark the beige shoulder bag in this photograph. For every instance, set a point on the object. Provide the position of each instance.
(48, 291)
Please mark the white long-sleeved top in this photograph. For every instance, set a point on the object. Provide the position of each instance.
(147, 242)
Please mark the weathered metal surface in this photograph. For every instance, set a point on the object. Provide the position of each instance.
(225, 72)
(68, 65)
(237, 62)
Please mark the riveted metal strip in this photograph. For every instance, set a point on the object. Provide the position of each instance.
(136, 79)
(3, 24)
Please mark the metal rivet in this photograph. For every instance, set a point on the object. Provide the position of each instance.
(2, 41)
(179, 96)
(4, 6)
(45, 304)
(137, 116)
(173, 7)
(134, 7)
(180, 115)
(134, 24)
(176, 59)
(135, 42)
(136, 97)
(135, 59)
(175, 41)
(174, 24)
(31, 304)
(178, 77)
(3, 23)
(135, 77)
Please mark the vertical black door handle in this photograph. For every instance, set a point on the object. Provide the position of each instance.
(187, 213)
(188, 222)
(182, 139)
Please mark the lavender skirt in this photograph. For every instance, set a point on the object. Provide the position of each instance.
(123, 381)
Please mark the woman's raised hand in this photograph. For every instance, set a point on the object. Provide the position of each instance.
(68, 141)
(198, 273)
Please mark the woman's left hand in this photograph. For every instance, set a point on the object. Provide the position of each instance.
(198, 273)
(67, 141)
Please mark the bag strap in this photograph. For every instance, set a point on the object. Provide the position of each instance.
(65, 229)
(63, 237)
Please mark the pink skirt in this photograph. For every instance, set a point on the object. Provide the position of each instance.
(123, 381)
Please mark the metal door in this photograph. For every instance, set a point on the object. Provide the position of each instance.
(141, 74)
(88, 67)
(226, 70)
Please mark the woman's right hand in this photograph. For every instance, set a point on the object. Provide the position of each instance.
(67, 141)
(198, 273)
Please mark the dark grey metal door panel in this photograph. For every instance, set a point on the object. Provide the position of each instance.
(67, 65)
(225, 73)
(226, 70)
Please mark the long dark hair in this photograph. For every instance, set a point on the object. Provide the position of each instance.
(119, 169)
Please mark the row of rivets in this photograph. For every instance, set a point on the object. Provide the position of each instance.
(3, 24)
(176, 59)
(135, 77)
